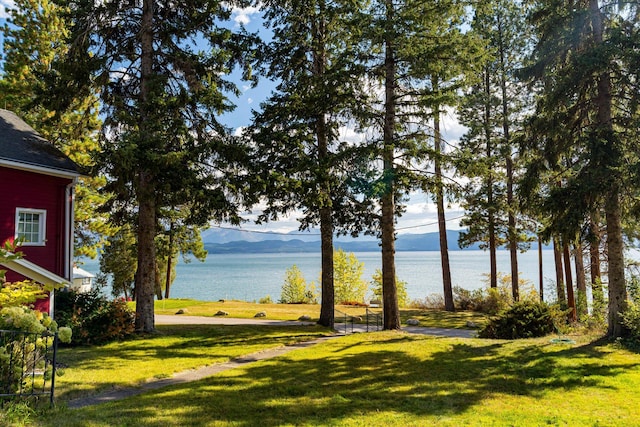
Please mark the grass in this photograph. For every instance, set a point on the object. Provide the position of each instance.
(89, 370)
(242, 309)
(391, 379)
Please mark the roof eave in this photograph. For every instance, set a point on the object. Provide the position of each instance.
(61, 173)
(35, 272)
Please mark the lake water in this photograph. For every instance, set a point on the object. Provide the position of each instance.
(250, 277)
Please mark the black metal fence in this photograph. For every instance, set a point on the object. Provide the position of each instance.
(27, 365)
(366, 321)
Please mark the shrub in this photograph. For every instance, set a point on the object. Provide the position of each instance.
(430, 302)
(265, 300)
(94, 318)
(21, 355)
(347, 278)
(17, 413)
(492, 300)
(524, 319)
(295, 289)
(631, 319)
(497, 300)
(465, 299)
(401, 289)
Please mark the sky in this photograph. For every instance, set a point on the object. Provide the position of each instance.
(4, 4)
(420, 215)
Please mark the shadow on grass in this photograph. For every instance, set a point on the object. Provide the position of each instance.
(349, 377)
(444, 319)
(196, 344)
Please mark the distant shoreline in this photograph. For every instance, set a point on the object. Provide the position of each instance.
(413, 243)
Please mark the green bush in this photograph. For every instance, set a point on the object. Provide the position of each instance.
(94, 318)
(21, 354)
(401, 289)
(492, 300)
(631, 319)
(349, 286)
(265, 300)
(295, 289)
(17, 414)
(465, 299)
(524, 319)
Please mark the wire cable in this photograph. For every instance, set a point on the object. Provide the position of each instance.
(282, 233)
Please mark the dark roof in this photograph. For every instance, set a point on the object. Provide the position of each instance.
(21, 144)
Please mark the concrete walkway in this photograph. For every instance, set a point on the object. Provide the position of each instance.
(340, 328)
(206, 371)
(190, 375)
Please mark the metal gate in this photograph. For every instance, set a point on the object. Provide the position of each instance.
(27, 365)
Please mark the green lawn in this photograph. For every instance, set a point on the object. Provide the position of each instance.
(246, 310)
(386, 379)
(89, 370)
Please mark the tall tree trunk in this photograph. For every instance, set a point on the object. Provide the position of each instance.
(617, 284)
(491, 217)
(391, 312)
(145, 189)
(327, 314)
(158, 285)
(513, 235)
(167, 279)
(540, 268)
(581, 281)
(145, 277)
(557, 256)
(594, 262)
(442, 223)
(613, 210)
(506, 124)
(571, 301)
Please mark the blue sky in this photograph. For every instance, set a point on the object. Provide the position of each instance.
(420, 215)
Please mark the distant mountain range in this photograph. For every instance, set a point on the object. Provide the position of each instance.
(271, 243)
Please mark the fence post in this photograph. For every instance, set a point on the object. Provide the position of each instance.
(53, 369)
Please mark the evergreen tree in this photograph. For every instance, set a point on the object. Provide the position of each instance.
(118, 262)
(302, 161)
(493, 110)
(176, 238)
(409, 49)
(586, 63)
(33, 41)
(161, 70)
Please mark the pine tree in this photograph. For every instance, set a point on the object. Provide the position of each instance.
(411, 71)
(176, 239)
(302, 161)
(493, 110)
(584, 60)
(33, 42)
(161, 71)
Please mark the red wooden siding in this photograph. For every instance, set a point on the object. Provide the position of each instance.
(35, 191)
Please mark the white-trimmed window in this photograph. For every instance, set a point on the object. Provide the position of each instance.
(31, 226)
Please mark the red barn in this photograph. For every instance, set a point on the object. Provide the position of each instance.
(36, 204)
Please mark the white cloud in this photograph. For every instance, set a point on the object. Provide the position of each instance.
(239, 131)
(249, 101)
(4, 5)
(242, 16)
(452, 130)
(349, 134)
